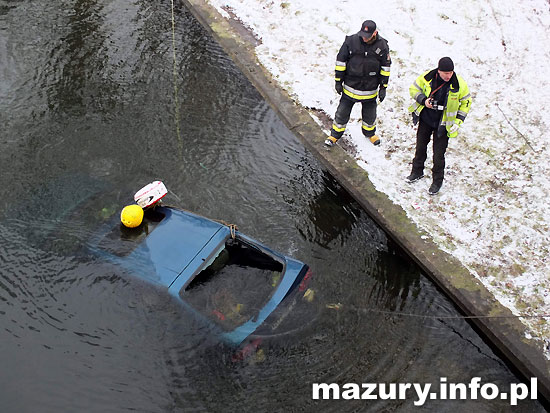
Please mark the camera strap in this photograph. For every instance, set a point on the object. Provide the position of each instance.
(439, 87)
(433, 92)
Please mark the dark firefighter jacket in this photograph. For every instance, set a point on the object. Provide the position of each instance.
(363, 67)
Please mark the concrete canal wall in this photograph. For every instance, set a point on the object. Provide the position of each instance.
(505, 332)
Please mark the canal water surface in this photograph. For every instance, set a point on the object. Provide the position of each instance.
(88, 106)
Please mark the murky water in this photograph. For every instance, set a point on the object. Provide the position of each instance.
(87, 106)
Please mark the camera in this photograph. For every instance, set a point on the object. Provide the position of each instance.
(435, 104)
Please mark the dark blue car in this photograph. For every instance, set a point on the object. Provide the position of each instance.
(241, 291)
(240, 288)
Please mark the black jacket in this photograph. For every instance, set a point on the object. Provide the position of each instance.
(363, 62)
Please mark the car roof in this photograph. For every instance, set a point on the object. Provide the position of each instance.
(170, 248)
(177, 240)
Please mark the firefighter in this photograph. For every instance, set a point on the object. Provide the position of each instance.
(441, 102)
(362, 73)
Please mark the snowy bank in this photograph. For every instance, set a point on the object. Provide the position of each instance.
(492, 212)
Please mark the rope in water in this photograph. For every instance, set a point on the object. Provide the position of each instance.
(437, 317)
(337, 306)
(175, 73)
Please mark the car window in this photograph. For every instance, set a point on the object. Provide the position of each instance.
(234, 284)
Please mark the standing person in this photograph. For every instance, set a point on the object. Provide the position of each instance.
(362, 74)
(442, 101)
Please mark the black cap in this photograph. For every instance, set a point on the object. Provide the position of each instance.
(367, 28)
(446, 64)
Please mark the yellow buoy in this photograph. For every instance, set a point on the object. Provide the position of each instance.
(131, 216)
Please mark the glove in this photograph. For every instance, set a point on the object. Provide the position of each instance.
(454, 128)
(382, 94)
(339, 88)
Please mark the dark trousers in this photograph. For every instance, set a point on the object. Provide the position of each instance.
(440, 142)
(368, 113)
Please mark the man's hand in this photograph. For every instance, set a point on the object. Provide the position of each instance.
(454, 128)
(428, 103)
(382, 94)
(339, 88)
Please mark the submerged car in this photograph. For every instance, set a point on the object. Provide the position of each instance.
(240, 288)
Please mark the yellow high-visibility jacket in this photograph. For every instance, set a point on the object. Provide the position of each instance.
(457, 103)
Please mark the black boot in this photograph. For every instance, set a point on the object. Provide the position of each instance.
(414, 176)
(434, 188)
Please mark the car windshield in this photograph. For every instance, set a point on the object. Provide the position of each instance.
(234, 284)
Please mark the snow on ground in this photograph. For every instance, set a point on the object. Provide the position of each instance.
(493, 211)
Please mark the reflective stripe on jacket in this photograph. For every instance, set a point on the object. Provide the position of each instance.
(363, 67)
(457, 103)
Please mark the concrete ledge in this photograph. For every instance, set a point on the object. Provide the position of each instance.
(506, 334)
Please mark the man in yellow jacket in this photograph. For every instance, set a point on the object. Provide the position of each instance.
(441, 102)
